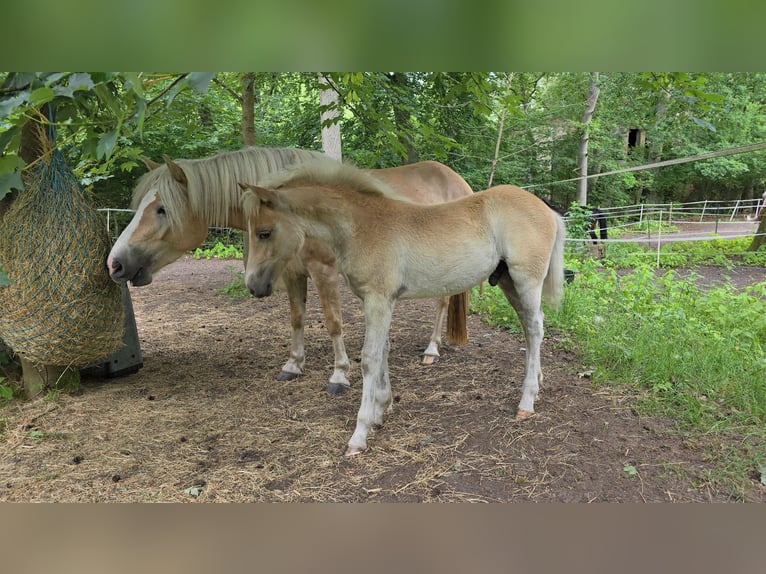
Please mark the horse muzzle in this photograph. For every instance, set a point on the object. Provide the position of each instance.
(122, 272)
(260, 285)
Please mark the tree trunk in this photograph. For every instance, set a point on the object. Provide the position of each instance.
(331, 142)
(509, 79)
(248, 108)
(402, 119)
(582, 151)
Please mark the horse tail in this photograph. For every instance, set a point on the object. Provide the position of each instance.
(457, 311)
(553, 285)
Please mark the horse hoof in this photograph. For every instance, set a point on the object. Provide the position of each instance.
(287, 376)
(336, 388)
(522, 415)
(354, 450)
(430, 359)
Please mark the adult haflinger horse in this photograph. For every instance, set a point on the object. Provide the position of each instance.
(388, 249)
(177, 201)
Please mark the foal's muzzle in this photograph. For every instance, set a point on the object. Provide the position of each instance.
(260, 284)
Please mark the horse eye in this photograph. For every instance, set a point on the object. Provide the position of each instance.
(264, 235)
(161, 210)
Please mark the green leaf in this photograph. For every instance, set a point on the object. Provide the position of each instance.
(4, 280)
(41, 96)
(8, 105)
(76, 82)
(10, 181)
(106, 144)
(630, 470)
(200, 80)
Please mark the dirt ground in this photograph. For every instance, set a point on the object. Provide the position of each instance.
(205, 420)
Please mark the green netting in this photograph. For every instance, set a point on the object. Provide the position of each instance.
(61, 307)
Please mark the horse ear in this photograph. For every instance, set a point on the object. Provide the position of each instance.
(176, 171)
(149, 163)
(267, 197)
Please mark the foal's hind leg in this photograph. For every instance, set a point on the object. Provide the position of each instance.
(525, 296)
(431, 354)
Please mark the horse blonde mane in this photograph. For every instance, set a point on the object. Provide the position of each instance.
(325, 171)
(212, 188)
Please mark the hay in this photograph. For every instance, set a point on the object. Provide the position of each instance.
(61, 308)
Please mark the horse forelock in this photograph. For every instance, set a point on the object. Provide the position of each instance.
(212, 190)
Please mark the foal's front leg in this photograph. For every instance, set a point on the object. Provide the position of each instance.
(327, 285)
(376, 386)
(296, 285)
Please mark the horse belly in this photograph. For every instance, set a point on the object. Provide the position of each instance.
(447, 273)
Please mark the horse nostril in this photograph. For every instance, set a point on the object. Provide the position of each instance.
(116, 266)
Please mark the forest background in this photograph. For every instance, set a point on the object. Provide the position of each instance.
(533, 129)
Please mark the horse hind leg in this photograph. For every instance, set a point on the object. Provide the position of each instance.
(525, 300)
(431, 354)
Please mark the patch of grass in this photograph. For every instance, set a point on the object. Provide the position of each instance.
(236, 288)
(694, 355)
(219, 251)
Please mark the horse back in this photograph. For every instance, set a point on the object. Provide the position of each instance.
(425, 182)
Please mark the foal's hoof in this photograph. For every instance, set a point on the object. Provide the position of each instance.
(287, 376)
(354, 450)
(430, 359)
(336, 388)
(522, 415)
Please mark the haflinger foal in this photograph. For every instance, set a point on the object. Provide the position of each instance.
(388, 249)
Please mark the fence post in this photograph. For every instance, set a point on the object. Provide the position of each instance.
(734, 213)
(659, 239)
(704, 206)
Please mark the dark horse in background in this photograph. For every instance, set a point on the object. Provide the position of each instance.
(597, 226)
(598, 222)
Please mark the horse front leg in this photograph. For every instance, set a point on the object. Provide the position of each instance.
(376, 385)
(431, 354)
(328, 288)
(296, 285)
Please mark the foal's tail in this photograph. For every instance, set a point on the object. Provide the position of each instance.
(553, 284)
(457, 331)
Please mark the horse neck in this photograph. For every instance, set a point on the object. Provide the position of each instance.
(323, 214)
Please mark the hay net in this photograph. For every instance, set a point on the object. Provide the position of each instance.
(61, 307)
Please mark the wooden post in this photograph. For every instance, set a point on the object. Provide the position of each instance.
(37, 378)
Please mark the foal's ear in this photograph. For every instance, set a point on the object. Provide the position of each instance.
(267, 197)
(149, 163)
(176, 171)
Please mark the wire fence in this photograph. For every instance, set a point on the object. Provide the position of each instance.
(651, 224)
